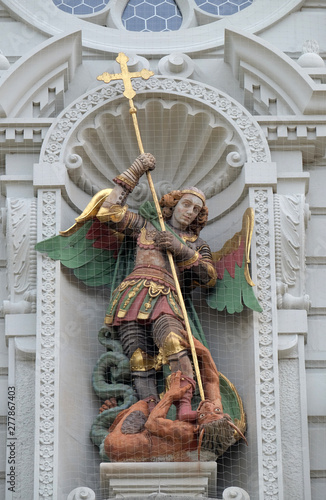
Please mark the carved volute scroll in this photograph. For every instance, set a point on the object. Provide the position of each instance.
(291, 216)
(21, 269)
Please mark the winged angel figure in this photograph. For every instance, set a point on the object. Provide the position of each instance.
(144, 323)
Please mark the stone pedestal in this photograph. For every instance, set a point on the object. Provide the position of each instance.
(184, 479)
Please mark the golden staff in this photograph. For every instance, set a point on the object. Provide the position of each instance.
(129, 93)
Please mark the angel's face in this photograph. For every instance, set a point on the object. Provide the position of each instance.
(186, 211)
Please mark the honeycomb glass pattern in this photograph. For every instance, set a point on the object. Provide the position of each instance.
(151, 15)
(223, 7)
(81, 7)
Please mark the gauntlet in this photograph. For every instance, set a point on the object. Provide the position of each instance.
(113, 208)
(130, 177)
(187, 258)
(167, 241)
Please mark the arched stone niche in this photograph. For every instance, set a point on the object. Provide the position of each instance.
(192, 145)
(200, 136)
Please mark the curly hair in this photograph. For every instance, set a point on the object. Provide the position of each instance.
(170, 200)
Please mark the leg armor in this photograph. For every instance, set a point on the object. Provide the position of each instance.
(138, 345)
(133, 335)
(167, 336)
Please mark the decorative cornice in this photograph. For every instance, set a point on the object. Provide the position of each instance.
(58, 56)
(23, 136)
(306, 134)
(250, 55)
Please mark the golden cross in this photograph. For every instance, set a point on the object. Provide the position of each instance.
(125, 76)
(129, 92)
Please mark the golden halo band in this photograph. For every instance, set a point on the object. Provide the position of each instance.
(195, 193)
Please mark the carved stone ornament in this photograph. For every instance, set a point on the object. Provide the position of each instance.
(235, 493)
(21, 269)
(267, 396)
(290, 221)
(81, 493)
(46, 352)
(198, 135)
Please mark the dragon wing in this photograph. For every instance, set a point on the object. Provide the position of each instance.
(89, 247)
(233, 287)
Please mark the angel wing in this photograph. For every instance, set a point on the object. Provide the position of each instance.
(233, 288)
(89, 248)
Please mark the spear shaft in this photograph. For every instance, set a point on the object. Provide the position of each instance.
(129, 92)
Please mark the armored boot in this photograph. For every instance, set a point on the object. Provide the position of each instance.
(178, 359)
(144, 377)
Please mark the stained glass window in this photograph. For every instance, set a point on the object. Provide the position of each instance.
(151, 15)
(223, 7)
(81, 7)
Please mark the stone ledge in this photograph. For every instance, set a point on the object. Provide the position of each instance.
(141, 479)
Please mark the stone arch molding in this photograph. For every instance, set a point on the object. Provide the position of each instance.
(45, 17)
(199, 135)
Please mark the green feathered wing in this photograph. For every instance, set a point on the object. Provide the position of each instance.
(96, 254)
(234, 287)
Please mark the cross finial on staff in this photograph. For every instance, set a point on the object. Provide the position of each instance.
(129, 92)
(125, 75)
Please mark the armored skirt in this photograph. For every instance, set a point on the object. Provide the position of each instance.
(143, 296)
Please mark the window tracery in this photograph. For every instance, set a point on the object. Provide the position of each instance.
(223, 7)
(81, 7)
(152, 15)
